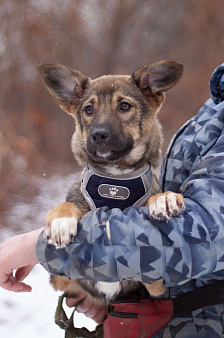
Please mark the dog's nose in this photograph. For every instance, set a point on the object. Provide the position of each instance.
(100, 135)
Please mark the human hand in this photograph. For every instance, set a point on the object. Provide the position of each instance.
(17, 253)
(89, 307)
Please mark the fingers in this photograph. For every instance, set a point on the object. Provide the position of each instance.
(98, 315)
(89, 307)
(12, 284)
(92, 310)
(24, 288)
(73, 301)
(23, 272)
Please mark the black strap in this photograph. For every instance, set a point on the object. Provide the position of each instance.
(66, 324)
(207, 295)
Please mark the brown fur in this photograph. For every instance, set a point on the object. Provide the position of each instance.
(65, 208)
(126, 107)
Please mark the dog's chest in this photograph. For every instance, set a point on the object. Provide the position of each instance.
(110, 290)
(116, 192)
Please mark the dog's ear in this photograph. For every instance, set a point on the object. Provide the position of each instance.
(157, 77)
(62, 82)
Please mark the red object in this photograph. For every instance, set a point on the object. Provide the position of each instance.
(137, 318)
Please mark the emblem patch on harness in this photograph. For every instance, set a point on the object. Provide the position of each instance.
(114, 191)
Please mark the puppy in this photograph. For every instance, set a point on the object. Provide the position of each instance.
(118, 139)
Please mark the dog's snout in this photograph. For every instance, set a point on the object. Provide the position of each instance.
(100, 135)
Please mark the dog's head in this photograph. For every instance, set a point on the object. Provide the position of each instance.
(115, 115)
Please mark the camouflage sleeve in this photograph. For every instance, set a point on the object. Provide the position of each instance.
(114, 245)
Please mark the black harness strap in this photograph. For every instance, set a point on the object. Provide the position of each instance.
(66, 323)
(207, 295)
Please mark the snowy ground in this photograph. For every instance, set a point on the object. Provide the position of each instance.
(32, 314)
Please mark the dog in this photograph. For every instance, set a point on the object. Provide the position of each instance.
(118, 139)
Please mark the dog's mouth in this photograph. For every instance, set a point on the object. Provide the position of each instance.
(106, 153)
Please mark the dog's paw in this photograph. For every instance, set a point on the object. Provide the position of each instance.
(61, 224)
(166, 205)
(61, 231)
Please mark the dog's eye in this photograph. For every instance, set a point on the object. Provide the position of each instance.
(89, 110)
(125, 106)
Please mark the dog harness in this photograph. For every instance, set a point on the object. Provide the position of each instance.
(116, 192)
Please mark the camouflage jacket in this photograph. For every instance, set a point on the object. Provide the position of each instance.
(186, 251)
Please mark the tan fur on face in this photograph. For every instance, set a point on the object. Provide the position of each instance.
(105, 94)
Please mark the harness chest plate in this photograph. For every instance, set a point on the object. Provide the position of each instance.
(116, 192)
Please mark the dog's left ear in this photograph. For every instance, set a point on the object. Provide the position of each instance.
(157, 77)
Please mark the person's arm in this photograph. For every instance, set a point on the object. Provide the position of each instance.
(115, 245)
(17, 253)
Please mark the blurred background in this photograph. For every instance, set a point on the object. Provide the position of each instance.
(96, 37)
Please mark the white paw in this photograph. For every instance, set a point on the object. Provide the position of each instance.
(61, 231)
(166, 206)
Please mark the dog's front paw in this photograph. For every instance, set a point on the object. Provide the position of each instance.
(61, 224)
(166, 205)
(61, 231)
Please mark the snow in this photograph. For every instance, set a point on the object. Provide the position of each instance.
(32, 314)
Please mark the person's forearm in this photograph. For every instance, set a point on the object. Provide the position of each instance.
(114, 245)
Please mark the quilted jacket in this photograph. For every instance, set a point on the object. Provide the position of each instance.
(186, 251)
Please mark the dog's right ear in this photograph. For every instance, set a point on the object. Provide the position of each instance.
(64, 83)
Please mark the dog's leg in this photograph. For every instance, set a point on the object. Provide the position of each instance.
(61, 224)
(166, 205)
(156, 289)
(73, 289)
(162, 207)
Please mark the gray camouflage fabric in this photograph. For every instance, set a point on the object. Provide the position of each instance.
(187, 251)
